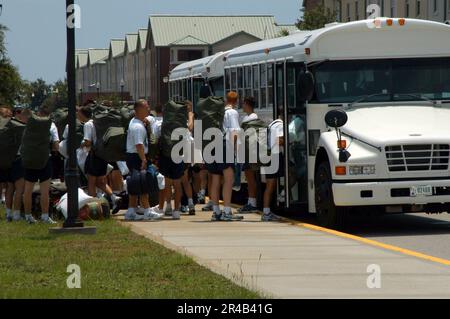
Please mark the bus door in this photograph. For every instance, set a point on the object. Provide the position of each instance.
(295, 148)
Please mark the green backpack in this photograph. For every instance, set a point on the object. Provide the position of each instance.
(127, 113)
(111, 136)
(259, 134)
(211, 111)
(11, 131)
(60, 118)
(35, 147)
(174, 116)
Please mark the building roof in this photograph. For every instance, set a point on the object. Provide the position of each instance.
(116, 48)
(131, 40)
(97, 56)
(81, 58)
(189, 40)
(169, 29)
(142, 39)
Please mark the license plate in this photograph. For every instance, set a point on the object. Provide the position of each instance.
(426, 190)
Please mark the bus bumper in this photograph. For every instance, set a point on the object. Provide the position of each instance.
(390, 193)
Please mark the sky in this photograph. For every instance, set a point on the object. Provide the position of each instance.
(36, 40)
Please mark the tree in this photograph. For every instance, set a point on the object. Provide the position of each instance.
(283, 33)
(10, 81)
(57, 95)
(316, 18)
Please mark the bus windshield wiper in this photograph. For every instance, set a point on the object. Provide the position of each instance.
(417, 96)
(366, 97)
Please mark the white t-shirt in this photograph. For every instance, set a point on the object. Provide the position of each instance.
(156, 126)
(54, 137)
(89, 132)
(276, 131)
(249, 117)
(137, 135)
(230, 121)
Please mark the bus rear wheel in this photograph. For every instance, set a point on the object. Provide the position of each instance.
(328, 214)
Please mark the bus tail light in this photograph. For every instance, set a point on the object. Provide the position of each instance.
(342, 144)
(307, 51)
(341, 170)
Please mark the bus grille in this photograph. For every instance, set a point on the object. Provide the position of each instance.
(427, 157)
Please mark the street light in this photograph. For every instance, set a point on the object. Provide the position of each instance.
(122, 84)
(98, 91)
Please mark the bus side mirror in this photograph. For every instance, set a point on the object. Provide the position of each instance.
(336, 118)
(306, 86)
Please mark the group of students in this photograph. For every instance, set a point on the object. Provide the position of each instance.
(185, 184)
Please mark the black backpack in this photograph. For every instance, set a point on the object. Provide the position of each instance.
(11, 131)
(111, 136)
(35, 149)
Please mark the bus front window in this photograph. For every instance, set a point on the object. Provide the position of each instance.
(383, 80)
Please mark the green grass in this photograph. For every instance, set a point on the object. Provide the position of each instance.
(115, 263)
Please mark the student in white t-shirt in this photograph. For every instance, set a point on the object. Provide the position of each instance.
(41, 176)
(249, 107)
(231, 128)
(276, 143)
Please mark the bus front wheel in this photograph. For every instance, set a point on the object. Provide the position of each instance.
(328, 214)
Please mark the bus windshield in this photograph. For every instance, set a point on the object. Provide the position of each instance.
(382, 80)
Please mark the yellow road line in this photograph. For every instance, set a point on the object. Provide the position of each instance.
(373, 243)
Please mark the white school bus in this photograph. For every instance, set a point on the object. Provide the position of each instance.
(366, 107)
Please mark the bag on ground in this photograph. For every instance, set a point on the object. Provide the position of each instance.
(174, 117)
(11, 132)
(35, 147)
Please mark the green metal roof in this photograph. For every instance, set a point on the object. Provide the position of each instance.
(97, 55)
(170, 29)
(81, 58)
(142, 40)
(131, 40)
(117, 47)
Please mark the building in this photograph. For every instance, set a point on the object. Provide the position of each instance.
(140, 63)
(351, 10)
(174, 39)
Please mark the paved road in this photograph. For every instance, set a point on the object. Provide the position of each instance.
(427, 234)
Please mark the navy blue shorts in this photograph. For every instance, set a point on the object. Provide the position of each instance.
(218, 168)
(39, 175)
(280, 172)
(95, 166)
(134, 162)
(169, 169)
(13, 174)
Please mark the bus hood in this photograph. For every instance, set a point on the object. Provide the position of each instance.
(399, 124)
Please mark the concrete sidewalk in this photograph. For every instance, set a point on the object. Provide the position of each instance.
(281, 260)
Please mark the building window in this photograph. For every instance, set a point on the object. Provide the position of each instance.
(407, 8)
(435, 6)
(189, 55)
(356, 10)
(337, 9)
(418, 8)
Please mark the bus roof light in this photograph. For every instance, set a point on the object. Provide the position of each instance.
(401, 22)
(389, 22)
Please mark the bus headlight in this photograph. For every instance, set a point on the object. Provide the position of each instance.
(362, 170)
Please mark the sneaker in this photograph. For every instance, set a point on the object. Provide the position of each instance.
(229, 217)
(16, 218)
(207, 208)
(215, 217)
(152, 215)
(176, 215)
(9, 219)
(191, 210)
(133, 217)
(116, 205)
(201, 199)
(48, 221)
(248, 209)
(31, 220)
(168, 211)
(184, 209)
(271, 217)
